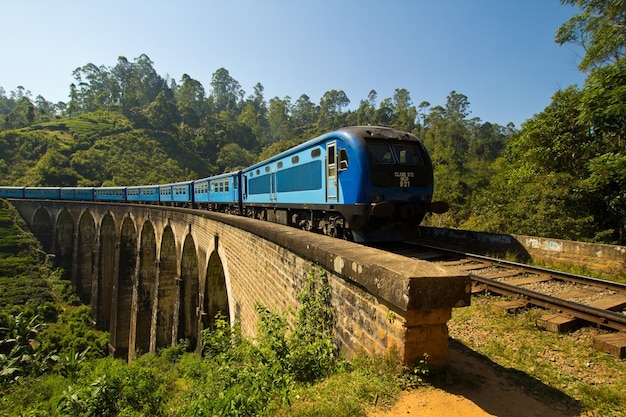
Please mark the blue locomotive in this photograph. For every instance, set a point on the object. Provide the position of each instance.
(361, 183)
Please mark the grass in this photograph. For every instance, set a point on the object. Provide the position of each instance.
(567, 363)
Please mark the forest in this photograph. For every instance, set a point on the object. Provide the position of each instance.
(562, 174)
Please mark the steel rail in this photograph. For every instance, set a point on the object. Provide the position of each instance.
(606, 318)
(599, 316)
(566, 276)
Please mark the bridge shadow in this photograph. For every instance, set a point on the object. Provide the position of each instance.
(498, 390)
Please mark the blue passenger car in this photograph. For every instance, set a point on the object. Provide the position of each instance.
(149, 193)
(47, 193)
(143, 194)
(110, 194)
(201, 191)
(11, 192)
(77, 193)
(179, 193)
(224, 191)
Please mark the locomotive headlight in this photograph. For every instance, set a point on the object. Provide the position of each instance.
(377, 198)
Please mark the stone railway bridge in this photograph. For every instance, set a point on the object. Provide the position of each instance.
(154, 275)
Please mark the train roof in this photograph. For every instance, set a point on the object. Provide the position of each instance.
(378, 132)
(355, 135)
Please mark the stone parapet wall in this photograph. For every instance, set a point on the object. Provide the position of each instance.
(383, 302)
(607, 259)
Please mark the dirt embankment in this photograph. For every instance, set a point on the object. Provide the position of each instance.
(483, 392)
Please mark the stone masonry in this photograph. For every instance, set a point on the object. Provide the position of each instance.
(156, 275)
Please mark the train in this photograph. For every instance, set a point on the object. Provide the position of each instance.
(359, 183)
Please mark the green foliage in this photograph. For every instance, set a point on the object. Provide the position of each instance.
(598, 29)
(34, 337)
(22, 281)
(312, 351)
(563, 175)
(19, 353)
(73, 332)
(241, 377)
(92, 150)
(110, 387)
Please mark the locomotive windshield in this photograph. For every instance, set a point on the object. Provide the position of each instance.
(391, 160)
(395, 153)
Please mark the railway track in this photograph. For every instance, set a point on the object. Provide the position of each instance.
(574, 300)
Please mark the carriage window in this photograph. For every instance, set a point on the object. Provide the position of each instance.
(295, 159)
(279, 165)
(316, 152)
(267, 169)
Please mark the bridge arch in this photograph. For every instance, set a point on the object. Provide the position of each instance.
(166, 284)
(106, 272)
(82, 277)
(123, 292)
(43, 229)
(188, 289)
(215, 296)
(65, 242)
(146, 285)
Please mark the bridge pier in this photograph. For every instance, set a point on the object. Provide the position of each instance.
(159, 274)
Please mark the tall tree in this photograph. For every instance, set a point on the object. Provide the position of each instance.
(162, 113)
(330, 114)
(304, 115)
(254, 114)
(600, 29)
(227, 92)
(191, 101)
(404, 114)
(279, 119)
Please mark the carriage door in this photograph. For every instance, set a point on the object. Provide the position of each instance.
(272, 175)
(331, 171)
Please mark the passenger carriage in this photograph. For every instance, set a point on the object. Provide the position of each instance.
(149, 193)
(143, 194)
(110, 194)
(11, 192)
(180, 193)
(45, 193)
(77, 193)
(224, 192)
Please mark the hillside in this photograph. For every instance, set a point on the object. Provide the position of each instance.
(94, 149)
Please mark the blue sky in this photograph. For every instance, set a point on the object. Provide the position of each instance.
(501, 54)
